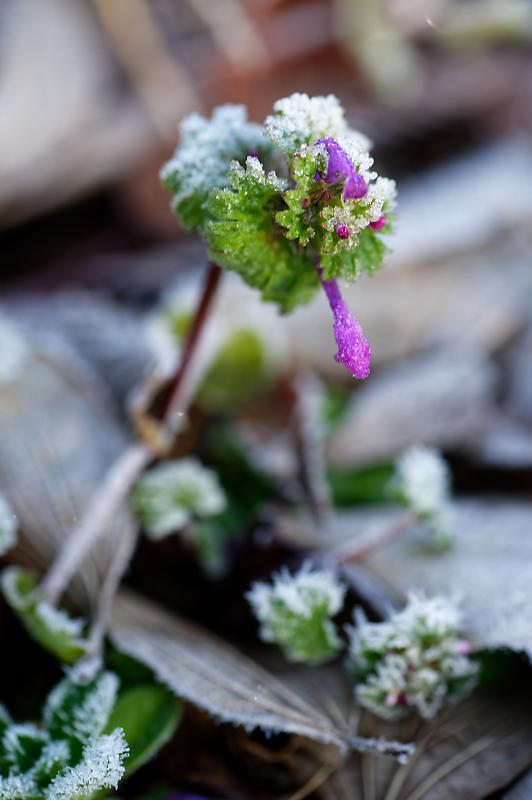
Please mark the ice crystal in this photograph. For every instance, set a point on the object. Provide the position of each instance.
(8, 527)
(300, 119)
(101, 767)
(295, 612)
(69, 756)
(422, 482)
(205, 151)
(171, 494)
(80, 710)
(413, 661)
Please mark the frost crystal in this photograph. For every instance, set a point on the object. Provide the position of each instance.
(414, 660)
(422, 482)
(201, 161)
(101, 767)
(53, 627)
(300, 119)
(8, 527)
(168, 496)
(295, 612)
(69, 756)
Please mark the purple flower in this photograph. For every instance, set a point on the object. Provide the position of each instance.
(340, 167)
(343, 231)
(353, 350)
(380, 223)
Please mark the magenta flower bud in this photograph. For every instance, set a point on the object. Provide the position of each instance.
(340, 167)
(353, 349)
(380, 223)
(343, 231)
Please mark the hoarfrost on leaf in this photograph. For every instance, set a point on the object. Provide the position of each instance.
(201, 161)
(295, 612)
(413, 660)
(300, 119)
(422, 482)
(171, 494)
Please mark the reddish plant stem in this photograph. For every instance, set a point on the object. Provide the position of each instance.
(126, 469)
(177, 388)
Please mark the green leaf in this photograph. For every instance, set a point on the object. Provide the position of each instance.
(149, 715)
(52, 628)
(243, 237)
(238, 372)
(353, 486)
(203, 157)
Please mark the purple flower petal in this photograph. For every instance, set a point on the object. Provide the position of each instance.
(340, 167)
(353, 349)
(380, 223)
(343, 231)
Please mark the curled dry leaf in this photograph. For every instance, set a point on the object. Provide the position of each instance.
(218, 678)
(58, 438)
(471, 751)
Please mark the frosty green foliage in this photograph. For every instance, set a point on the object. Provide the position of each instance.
(171, 494)
(52, 627)
(272, 230)
(412, 661)
(8, 527)
(299, 119)
(68, 757)
(422, 482)
(295, 612)
(243, 237)
(202, 159)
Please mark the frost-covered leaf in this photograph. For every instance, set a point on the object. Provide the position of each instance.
(171, 494)
(243, 237)
(296, 611)
(101, 767)
(79, 710)
(488, 567)
(52, 627)
(68, 756)
(201, 161)
(213, 675)
(8, 527)
(149, 715)
(412, 660)
(299, 119)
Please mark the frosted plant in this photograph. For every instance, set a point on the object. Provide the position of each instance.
(69, 755)
(8, 527)
(413, 661)
(296, 611)
(171, 494)
(319, 220)
(422, 482)
(201, 161)
(52, 627)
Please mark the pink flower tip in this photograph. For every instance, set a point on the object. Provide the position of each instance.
(380, 223)
(343, 231)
